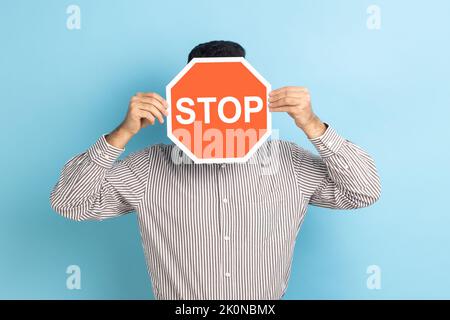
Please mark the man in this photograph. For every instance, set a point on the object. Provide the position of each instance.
(216, 231)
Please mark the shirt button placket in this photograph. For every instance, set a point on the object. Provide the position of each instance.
(225, 231)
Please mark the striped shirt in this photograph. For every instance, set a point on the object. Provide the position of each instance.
(217, 231)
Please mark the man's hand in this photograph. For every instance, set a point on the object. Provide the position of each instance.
(143, 110)
(296, 101)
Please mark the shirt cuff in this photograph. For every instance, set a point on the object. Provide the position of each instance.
(328, 143)
(104, 154)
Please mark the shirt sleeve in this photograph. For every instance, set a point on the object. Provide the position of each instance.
(343, 176)
(94, 185)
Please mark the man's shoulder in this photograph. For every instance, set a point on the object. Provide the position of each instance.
(159, 150)
(144, 157)
(282, 145)
(151, 149)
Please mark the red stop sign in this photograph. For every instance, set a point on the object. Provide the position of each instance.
(218, 110)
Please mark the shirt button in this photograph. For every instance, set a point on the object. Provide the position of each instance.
(225, 200)
(223, 165)
(227, 274)
(106, 156)
(226, 238)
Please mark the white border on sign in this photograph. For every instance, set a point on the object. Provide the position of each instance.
(169, 118)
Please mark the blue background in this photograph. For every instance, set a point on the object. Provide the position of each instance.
(387, 90)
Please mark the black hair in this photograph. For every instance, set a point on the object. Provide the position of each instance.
(217, 48)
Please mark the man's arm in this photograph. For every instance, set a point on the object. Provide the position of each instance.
(344, 176)
(94, 184)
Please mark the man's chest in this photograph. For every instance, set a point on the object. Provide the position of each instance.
(247, 201)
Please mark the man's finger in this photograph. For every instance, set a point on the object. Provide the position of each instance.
(150, 106)
(283, 109)
(286, 101)
(146, 115)
(157, 113)
(151, 100)
(153, 110)
(284, 94)
(152, 95)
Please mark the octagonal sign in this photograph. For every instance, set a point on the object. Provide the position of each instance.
(218, 110)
